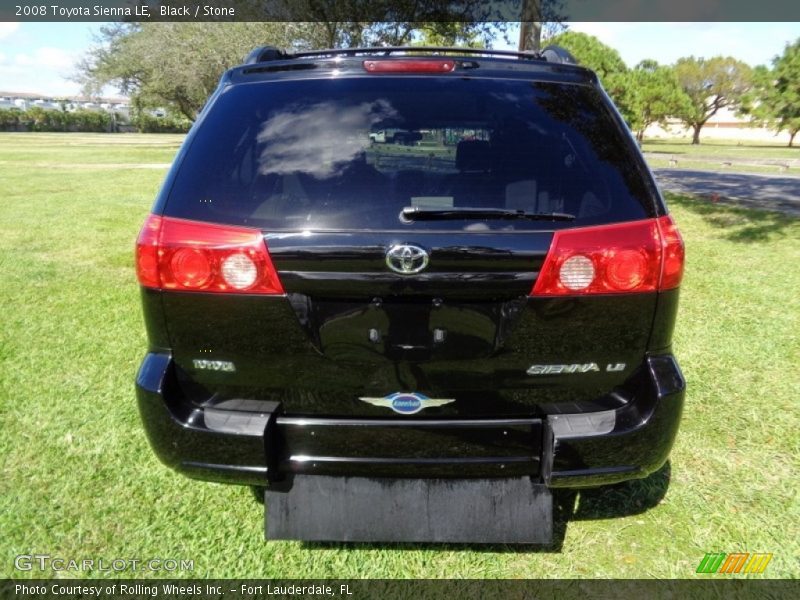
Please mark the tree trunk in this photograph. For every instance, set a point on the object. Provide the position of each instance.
(640, 136)
(332, 32)
(530, 29)
(791, 137)
(186, 109)
(530, 36)
(696, 136)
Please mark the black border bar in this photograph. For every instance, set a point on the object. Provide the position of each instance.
(698, 587)
(400, 10)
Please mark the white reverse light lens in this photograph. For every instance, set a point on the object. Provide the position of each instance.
(239, 271)
(577, 272)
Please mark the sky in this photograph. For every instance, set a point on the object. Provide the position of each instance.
(40, 57)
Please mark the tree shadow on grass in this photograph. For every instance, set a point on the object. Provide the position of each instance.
(608, 502)
(740, 224)
(713, 145)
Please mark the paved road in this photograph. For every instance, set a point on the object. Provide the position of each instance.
(767, 192)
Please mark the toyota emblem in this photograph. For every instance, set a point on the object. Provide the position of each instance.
(406, 259)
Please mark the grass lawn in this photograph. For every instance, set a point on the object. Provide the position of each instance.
(712, 165)
(712, 148)
(723, 155)
(79, 480)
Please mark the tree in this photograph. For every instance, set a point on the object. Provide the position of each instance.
(446, 35)
(591, 52)
(711, 84)
(132, 57)
(360, 23)
(350, 34)
(649, 93)
(775, 100)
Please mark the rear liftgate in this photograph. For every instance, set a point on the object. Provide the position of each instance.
(302, 505)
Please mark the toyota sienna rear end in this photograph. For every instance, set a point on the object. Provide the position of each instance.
(410, 266)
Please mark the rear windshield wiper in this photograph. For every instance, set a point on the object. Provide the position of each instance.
(415, 213)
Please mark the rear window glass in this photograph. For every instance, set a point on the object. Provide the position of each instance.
(353, 153)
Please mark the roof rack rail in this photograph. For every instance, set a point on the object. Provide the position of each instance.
(554, 54)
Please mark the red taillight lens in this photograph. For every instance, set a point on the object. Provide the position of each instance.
(191, 267)
(147, 252)
(642, 256)
(674, 253)
(626, 269)
(176, 254)
(409, 66)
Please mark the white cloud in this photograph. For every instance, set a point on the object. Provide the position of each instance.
(607, 33)
(6, 29)
(47, 57)
(43, 70)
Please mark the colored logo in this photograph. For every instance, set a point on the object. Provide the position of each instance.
(407, 403)
(738, 562)
(405, 259)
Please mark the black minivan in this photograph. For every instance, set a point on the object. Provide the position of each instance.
(439, 266)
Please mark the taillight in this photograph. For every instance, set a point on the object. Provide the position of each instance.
(409, 66)
(674, 254)
(175, 254)
(147, 252)
(642, 256)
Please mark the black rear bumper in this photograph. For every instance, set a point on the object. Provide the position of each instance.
(251, 442)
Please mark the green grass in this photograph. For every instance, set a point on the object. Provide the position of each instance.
(723, 155)
(710, 165)
(710, 148)
(84, 150)
(79, 480)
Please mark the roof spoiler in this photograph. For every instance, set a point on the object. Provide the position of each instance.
(551, 54)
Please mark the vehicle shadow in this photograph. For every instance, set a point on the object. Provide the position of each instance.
(740, 224)
(624, 499)
(608, 502)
